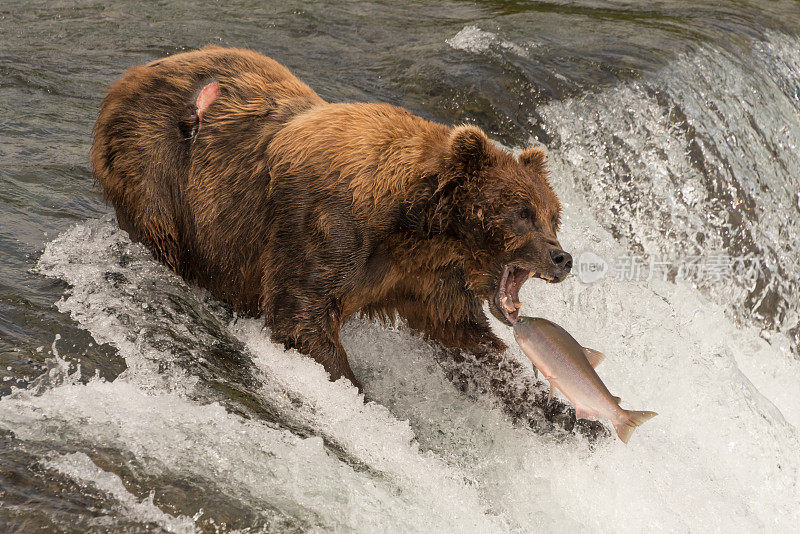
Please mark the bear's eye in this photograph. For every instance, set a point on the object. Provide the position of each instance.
(523, 218)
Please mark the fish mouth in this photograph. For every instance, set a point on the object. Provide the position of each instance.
(506, 300)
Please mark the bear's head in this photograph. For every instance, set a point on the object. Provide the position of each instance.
(505, 216)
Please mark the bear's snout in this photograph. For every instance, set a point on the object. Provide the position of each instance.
(562, 260)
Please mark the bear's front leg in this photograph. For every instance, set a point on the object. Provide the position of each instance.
(327, 352)
(467, 329)
(315, 333)
(332, 356)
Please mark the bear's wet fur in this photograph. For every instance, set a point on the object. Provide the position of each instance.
(308, 212)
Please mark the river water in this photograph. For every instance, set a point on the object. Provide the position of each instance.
(133, 402)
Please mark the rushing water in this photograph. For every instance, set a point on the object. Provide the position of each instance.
(131, 401)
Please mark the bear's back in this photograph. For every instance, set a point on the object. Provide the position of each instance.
(166, 177)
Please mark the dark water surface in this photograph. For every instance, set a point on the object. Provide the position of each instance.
(674, 133)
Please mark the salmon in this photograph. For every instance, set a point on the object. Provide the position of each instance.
(570, 367)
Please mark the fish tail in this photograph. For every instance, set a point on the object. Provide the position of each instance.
(631, 420)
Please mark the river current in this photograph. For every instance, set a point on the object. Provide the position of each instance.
(131, 401)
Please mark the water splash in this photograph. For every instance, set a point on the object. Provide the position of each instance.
(697, 160)
(473, 39)
(371, 449)
(80, 468)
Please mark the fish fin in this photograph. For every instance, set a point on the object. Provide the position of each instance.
(550, 393)
(594, 356)
(617, 399)
(583, 413)
(632, 420)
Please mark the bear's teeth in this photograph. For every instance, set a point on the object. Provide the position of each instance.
(518, 305)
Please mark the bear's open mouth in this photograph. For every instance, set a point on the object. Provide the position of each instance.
(507, 297)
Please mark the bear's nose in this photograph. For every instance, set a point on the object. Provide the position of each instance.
(561, 259)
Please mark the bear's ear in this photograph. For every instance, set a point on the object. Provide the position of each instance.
(534, 157)
(469, 148)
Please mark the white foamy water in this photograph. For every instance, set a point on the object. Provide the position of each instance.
(80, 468)
(268, 469)
(473, 39)
(699, 160)
(419, 455)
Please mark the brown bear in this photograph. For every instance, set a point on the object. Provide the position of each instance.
(240, 178)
